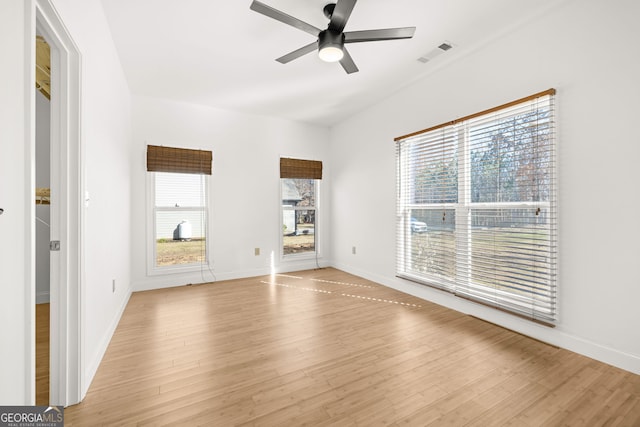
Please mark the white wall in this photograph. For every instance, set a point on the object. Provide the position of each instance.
(244, 190)
(43, 217)
(17, 281)
(587, 50)
(106, 137)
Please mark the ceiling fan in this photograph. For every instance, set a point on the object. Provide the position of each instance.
(331, 42)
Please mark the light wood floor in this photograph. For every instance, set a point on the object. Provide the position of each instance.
(326, 348)
(42, 354)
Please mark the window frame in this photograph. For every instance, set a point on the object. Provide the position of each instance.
(152, 268)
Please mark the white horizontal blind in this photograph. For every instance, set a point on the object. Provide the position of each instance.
(484, 187)
(179, 190)
(427, 196)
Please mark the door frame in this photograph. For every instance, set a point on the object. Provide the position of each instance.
(67, 209)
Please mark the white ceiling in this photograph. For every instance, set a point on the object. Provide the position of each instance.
(222, 54)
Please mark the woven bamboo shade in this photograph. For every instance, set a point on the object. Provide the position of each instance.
(178, 160)
(302, 169)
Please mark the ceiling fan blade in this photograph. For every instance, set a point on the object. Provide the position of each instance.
(378, 35)
(298, 53)
(341, 14)
(284, 18)
(347, 62)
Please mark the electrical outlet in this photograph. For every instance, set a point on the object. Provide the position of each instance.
(113, 285)
(353, 250)
(256, 251)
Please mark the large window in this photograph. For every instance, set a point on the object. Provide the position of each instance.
(299, 185)
(477, 208)
(178, 183)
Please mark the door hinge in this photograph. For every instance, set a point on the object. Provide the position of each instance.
(54, 245)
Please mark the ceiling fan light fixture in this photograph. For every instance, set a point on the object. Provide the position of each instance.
(330, 46)
(331, 54)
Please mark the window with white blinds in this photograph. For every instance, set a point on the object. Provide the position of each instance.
(177, 197)
(477, 207)
(179, 220)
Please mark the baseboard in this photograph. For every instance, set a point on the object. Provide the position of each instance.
(42, 298)
(174, 280)
(554, 336)
(94, 363)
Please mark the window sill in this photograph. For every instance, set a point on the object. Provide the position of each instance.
(297, 257)
(190, 268)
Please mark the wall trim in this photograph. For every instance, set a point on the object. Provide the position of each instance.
(42, 298)
(171, 281)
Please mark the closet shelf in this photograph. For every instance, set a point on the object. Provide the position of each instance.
(43, 196)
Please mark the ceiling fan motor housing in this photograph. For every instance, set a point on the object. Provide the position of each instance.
(329, 38)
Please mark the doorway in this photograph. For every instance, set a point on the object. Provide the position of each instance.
(43, 216)
(66, 218)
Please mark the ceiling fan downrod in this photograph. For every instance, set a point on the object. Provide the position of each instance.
(328, 10)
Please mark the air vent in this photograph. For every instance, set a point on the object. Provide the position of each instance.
(443, 47)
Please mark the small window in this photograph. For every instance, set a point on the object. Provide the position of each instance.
(177, 231)
(299, 183)
(299, 203)
(180, 219)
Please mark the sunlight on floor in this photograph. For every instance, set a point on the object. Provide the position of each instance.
(323, 291)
